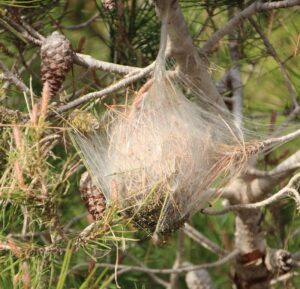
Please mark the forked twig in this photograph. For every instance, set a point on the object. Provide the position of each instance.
(287, 191)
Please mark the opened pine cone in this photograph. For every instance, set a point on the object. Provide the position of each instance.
(57, 59)
(109, 4)
(92, 197)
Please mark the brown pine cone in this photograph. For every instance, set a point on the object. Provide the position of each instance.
(109, 4)
(93, 198)
(57, 59)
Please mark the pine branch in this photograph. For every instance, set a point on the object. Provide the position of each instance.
(108, 90)
(287, 191)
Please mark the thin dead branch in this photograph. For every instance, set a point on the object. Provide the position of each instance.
(178, 261)
(83, 24)
(155, 278)
(273, 52)
(228, 258)
(256, 7)
(11, 77)
(202, 240)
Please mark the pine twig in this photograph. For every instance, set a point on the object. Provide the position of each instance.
(274, 54)
(84, 24)
(11, 77)
(287, 191)
(202, 240)
(92, 63)
(102, 94)
(256, 7)
(229, 257)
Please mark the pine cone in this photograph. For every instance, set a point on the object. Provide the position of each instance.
(109, 4)
(56, 55)
(93, 198)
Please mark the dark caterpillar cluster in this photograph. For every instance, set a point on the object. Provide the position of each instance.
(152, 217)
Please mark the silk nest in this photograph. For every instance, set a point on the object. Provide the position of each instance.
(158, 157)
